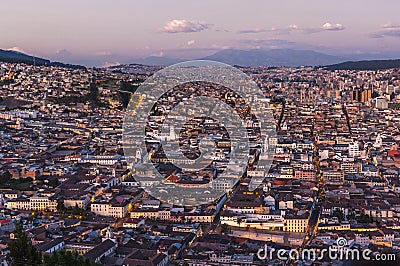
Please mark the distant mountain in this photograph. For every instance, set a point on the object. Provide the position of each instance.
(255, 57)
(371, 56)
(273, 57)
(365, 65)
(278, 57)
(156, 61)
(18, 57)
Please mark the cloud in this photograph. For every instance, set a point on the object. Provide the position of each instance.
(63, 53)
(190, 43)
(181, 25)
(386, 33)
(268, 42)
(220, 46)
(277, 43)
(256, 30)
(388, 30)
(17, 49)
(332, 27)
(325, 27)
(219, 29)
(271, 30)
(293, 27)
(265, 43)
(390, 26)
(110, 64)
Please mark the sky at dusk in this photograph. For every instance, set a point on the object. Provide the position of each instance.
(110, 32)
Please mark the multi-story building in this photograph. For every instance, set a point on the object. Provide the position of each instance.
(81, 202)
(354, 149)
(110, 208)
(333, 176)
(33, 203)
(296, 224)
(306, 175)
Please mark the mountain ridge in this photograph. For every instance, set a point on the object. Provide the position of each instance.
(10, 56)
(365, 65)
(252, 57)
(279, 57)
(255, 57)
(273, 57)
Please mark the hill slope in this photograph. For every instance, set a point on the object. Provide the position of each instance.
(17, 57)
(365, 65)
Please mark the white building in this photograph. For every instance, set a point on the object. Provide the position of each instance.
(113, 209)
(33, 203)
(81, 202)
(354, 149)
(100, 160)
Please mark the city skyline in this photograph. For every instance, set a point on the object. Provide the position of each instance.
(190, 133)
(105, 33)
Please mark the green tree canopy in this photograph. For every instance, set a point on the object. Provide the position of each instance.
(22, 252)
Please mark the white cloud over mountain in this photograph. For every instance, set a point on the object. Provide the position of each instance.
(184, 26)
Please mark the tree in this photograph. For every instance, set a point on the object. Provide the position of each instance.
(66, 258)
(364, 218)
(239, 221)
(76, 210)
(351, 216)
(392, 96)
(60, 207)
(93, 93)
(22, 252)
(374, 94)
(6, 175)
(225, 228)
(5, 179)
(339, 214)
(53, 183)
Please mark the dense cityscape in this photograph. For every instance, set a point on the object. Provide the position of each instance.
(66, 187)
